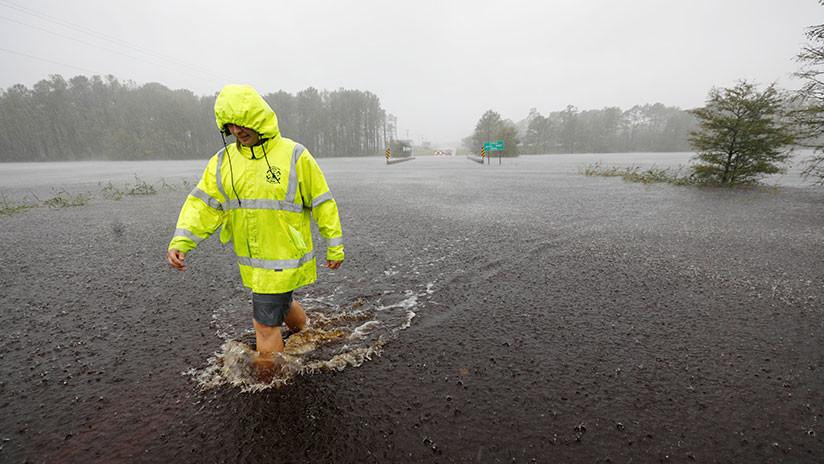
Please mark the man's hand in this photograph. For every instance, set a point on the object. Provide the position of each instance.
(333, 264)
(176, 258)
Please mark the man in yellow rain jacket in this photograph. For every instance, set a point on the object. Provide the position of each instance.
(261, 190)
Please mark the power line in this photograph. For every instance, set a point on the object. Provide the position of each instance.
(107, 38)
(91, 44)
(63, 23)
(47, 60)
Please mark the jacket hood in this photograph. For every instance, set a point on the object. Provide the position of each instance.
(243, 106)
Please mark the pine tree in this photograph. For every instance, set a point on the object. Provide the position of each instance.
(741, 135)
(810, 116)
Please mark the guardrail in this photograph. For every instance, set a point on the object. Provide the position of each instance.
(399, 160)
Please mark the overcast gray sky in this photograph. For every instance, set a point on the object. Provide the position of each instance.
(436, 65)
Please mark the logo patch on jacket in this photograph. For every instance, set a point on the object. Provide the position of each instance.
(273, 175)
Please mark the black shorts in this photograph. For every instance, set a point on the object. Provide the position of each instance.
(270, 308)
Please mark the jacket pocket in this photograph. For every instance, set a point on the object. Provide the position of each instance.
(297, 240)
(226, 230)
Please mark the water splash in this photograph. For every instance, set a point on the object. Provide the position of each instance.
(338, 336)
(306, 352)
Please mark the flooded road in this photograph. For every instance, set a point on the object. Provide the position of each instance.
(508, 313)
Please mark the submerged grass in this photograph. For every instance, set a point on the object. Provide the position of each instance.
(7, 208)
(108, 191)
(650, 175)
(677, 176)
(64, 199)
(140, 187)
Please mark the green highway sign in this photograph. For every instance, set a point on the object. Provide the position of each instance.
(494, 146)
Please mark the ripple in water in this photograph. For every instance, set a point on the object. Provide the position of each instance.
(335, 338)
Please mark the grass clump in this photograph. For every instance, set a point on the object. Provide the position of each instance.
(8, 208)
(650, 175)
(110, 192)
(141, 187)
(64, 199)
(166, 187)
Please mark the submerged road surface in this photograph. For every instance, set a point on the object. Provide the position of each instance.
(516, 313)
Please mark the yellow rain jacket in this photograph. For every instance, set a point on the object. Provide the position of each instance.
(262, 196)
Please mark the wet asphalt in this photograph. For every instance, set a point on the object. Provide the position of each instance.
(572, 319)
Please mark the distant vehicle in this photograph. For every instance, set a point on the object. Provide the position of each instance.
(444, 152)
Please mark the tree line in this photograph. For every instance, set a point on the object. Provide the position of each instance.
(741, 133)
(642, 128)
(103, 118)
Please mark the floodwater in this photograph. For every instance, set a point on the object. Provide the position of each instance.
(513, 312)
(19, 178)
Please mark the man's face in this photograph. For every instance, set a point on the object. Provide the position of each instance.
(247, 137)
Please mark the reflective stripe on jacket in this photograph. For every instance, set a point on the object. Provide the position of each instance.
(263, 197)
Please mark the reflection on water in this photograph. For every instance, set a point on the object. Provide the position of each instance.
(335, 338)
